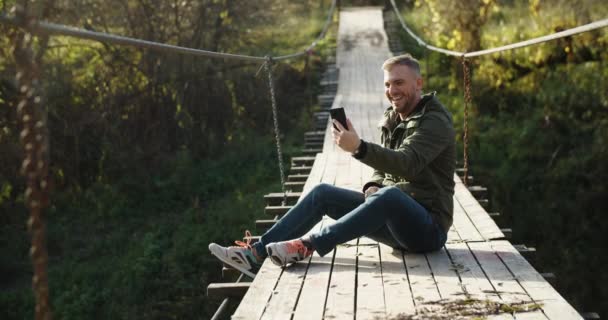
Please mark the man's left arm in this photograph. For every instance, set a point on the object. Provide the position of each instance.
(434, 134)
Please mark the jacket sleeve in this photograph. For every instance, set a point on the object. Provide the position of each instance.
(378, 176)
(434, 133)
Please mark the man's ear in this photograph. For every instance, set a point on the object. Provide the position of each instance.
(419, 83)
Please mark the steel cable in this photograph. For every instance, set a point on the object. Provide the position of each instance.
(48, 28)
(580, 29)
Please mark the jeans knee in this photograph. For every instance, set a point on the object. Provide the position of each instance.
(322, 188)
(389, 192)
(319, 192)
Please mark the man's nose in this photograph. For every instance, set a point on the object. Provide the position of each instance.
(391, 90)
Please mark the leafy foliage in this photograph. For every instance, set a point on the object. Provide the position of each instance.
(144, 147)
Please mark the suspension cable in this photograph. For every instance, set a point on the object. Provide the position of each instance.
(580, 29)
(41, 27)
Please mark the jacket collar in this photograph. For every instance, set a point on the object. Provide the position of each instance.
(391, 118)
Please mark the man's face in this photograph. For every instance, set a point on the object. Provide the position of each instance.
(402, 87)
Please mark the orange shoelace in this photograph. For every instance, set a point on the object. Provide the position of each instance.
(247, 238)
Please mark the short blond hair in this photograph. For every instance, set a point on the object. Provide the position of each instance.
(403, 60)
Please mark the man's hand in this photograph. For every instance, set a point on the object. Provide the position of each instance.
(371, 190)
(347, 140)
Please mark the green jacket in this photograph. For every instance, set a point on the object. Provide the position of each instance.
(418, 156)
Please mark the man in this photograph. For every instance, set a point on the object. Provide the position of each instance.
(407, 204)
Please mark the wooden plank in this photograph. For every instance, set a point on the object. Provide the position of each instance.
(445, 276)
(476, 213)
(464, 226)
(397, 293)
(370, 289)
(422, 283)
(260, 291)
(223, 290)
(294, 186)
(276, 198)
(316, 173)
(254, 303)
(285, 295)
(472, 277)
(311, 304)
(300, 169)
(276, 210)
(329, 176)
(503, 283)
(287, 292)
(342, 169)
(553, 304)
(341, 293)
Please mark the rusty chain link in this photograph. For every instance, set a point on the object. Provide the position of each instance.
(467, 102)
(275, 119)
(34, 140)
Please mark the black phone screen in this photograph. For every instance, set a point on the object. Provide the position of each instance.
(338, 114)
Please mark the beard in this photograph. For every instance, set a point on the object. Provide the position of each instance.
(405, 105)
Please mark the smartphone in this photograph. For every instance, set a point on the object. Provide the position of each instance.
(338, 114)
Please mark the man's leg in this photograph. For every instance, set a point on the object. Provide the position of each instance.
(322, 199)
(407, 221)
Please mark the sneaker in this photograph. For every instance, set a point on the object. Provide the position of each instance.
(285, 252)
(240, 257)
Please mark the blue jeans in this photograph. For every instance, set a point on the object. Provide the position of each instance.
(389, 216)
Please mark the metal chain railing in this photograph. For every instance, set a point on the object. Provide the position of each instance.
(275, 119)
(34, 140)
(467, 101)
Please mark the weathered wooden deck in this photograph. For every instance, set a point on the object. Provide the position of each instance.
(366, 280)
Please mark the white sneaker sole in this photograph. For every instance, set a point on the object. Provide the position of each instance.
(218, 252)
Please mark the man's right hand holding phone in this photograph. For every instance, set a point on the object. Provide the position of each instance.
(347, 140)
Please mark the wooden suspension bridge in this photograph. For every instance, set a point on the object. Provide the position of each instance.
(478, 274)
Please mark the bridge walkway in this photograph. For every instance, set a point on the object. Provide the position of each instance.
(475, 274)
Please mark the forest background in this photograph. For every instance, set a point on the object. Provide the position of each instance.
(144, 144)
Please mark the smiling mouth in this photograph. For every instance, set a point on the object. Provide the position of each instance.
(397, 99)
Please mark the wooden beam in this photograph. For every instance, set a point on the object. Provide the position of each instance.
(313, 145)
(311, 151)
(277, 197)
(224, 290)
(313, 139)
(229, 271)
(276, 210)
(470, 180)
(302, 161)
(550, 277)
(295, 186)
(315, 133)
(264, 224)
(485, 203)
(300, 169)
(528, 252)
(590, 316)
(297, 177)
(478, 191)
